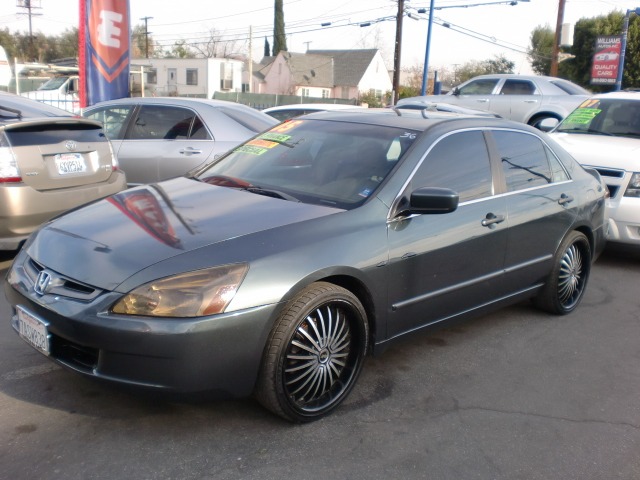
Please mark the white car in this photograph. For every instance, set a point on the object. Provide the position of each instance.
(604, 133)
(285, 112)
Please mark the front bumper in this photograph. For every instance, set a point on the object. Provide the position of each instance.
(221, 353)
(624, 221)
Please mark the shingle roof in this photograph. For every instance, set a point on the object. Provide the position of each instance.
(311, 70)
(349, 66)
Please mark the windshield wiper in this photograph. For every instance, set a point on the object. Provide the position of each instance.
(15, 111)
(270, 193)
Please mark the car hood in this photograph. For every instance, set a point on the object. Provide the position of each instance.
(104, 243)
(601, 151)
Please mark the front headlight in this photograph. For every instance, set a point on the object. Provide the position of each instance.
(633, 189)
(191, 294)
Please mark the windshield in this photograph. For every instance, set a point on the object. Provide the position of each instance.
(53, 84)
(323, 162)
(605, 116)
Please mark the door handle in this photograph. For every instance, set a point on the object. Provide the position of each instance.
(531, 101)
(564, 199)
(492, 219)
(483, 100)
(189, 151)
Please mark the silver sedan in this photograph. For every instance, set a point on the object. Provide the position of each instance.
(530, 99)
(160, 138)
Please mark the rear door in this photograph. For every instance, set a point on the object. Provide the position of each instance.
(517, 99)
(163, 141)
(540, 205)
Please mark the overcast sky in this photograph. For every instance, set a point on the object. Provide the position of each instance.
(478, 30)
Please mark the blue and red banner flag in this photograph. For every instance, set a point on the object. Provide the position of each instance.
(104, 50)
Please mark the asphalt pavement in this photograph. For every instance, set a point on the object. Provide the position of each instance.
(517, 394)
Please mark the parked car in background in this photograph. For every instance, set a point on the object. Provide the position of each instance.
(277, 268)
(160, 138)
(285, 112)
(59, 91)
(604, 133)
(50, 162)
(529, 99)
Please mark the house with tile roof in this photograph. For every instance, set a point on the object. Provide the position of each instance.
(344, 74)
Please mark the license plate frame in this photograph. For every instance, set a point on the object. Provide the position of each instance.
(70, 163)
(34, 331)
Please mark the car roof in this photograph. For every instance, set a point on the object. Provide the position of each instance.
(419, 120)
(622, 95)
(184, 101)
(311, 106)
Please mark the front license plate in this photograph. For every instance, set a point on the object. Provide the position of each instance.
(33, 330)
(67, 163)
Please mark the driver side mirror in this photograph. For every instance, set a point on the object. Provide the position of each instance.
(433, 200)
(455, 91)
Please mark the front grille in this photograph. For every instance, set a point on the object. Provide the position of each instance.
(609, 172)
(61, 285)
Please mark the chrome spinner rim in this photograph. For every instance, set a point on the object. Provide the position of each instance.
(322, 357)
(571, 277)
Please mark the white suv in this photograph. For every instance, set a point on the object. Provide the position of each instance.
(604, 133)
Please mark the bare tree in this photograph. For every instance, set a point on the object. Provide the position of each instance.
(216, 47)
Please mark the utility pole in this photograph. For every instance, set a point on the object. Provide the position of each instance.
(556, 40)
(29, 6)
(398, 50)
(146, 36)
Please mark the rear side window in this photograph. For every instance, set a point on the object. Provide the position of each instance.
(524, 160)
(161, 122)
(52, 134)
(113, 119)
(518, 87)
(459, 162)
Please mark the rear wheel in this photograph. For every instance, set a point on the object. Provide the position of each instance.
(314, 353)
(567, 281)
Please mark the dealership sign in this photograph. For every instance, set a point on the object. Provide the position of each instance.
(606, 60)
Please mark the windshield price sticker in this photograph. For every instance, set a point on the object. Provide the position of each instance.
(253, 150)
(68, 163)
(583, 116)
(33, 331)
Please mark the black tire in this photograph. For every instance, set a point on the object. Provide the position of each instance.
(314, 353)
(568, 279)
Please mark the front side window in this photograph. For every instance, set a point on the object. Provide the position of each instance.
(524, 160)
(113, 119)
(459, 162)
(156, 122)
(483, 86)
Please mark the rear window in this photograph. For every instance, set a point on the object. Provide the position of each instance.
(256, 122)
(52, 134)
(570, 88)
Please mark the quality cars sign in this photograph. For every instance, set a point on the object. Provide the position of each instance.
(606, 60)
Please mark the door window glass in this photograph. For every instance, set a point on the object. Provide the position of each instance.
(155, 122)
(459, 162)
(518, 87)
(483, 86)
(113, 119)
(524, 160)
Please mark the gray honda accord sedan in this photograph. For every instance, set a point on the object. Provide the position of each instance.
(274, 270)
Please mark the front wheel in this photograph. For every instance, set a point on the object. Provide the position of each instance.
(314, 353)
(567, 281)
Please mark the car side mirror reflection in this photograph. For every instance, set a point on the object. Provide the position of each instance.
(433, 200)
(548, 124)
